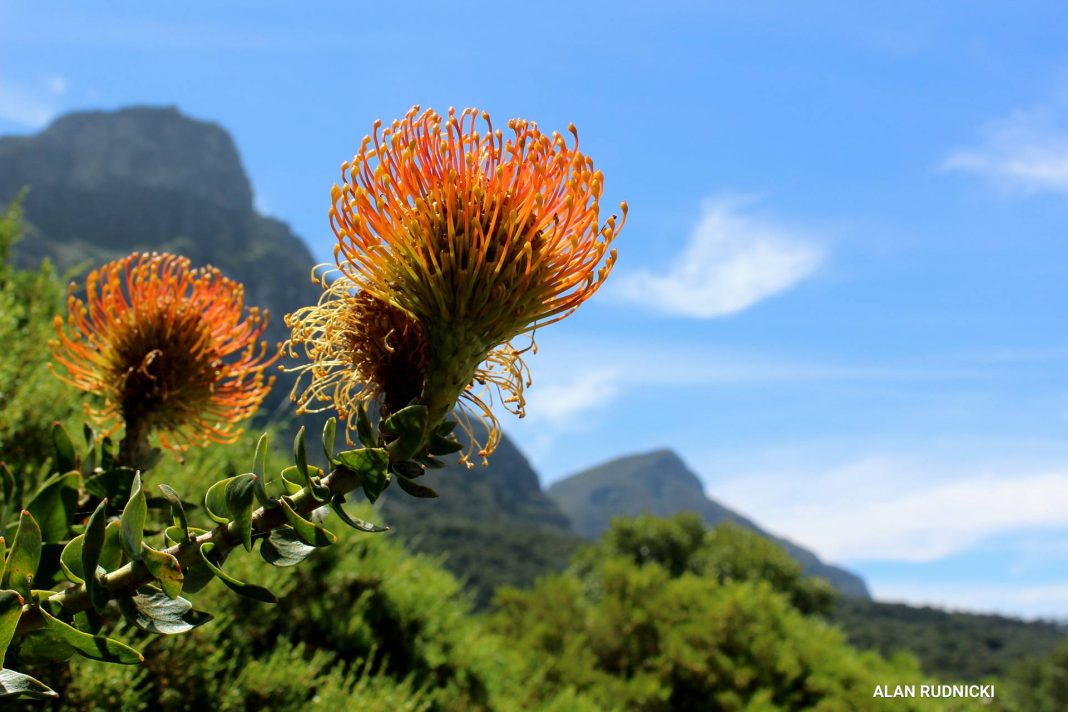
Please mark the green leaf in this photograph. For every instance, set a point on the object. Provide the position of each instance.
(432, 463)
(337, 502)
(111, 552)
(415, 489)
(177, 535)
(364, 430)
(291, 480)
(114, 484)
(70, 560)
(89, 463)
(133, 521)
(10, 612)
(408, 468)
(165, 569)
(239, 496)
(151, 459)
(15, 684)
(177, 510)
(24, 557)
(284, 548)
(409, 425)
(92, 544)
(197, 576)
(215, 501)
(371, 465)
(66, 460)
(444, 428)
(258, 593)
(310, 533)
(152, 610)
(107, 453)
(41, 647)
(443, 446)
(300, 453)
(259, 467)
(54, 503)
(329, 436)
(95, 647)
(308, 476)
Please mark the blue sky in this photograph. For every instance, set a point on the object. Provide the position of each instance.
(841, 293)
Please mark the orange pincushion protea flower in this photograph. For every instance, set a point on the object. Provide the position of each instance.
(165, 348)
(477, 239)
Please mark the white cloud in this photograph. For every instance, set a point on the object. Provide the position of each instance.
(58, 85)
(897, 509)
(1034, 601)
(732, 262)
(1027, 151)
(563, 400)
(32, 108)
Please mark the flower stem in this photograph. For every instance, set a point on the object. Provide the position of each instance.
(128, 578)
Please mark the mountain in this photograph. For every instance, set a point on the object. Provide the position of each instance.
(104, 183)
(494, 525)
(659, 483)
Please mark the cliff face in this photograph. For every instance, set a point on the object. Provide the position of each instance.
(659, 483)
(102, 184)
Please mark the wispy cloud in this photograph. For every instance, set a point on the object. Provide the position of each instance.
(31, 106)
(561, 401)
(1035, 601)
(897, 509)
(1027, 151)
(731, 262)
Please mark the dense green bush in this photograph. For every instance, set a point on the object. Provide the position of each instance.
(663, 615)
(30, 397)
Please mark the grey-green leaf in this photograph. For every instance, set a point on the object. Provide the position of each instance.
(66, 460)
(239, 496)
(177, 509)
(329, 435)
(165, 569)
(21, 564)
(370, 464)
(96, 647)
(53, 505)
(284, 548)
(364, 430)
(258, 593)
(337, 504)
(300, 453)
(409, 425)
(308, 532)
(415, 489)
(152, 610)
(10, 612)
(92, 544)
(133, 520)
(15, 684)
(215, 501)
(259, 467)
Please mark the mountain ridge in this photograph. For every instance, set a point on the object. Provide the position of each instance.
(658, 482)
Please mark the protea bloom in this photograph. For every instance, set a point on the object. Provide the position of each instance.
(165, 348)
(466, 240)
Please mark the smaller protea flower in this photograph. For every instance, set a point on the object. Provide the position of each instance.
(164, 348)
(467, 240)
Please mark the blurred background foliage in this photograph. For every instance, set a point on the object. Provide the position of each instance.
(658, 614)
